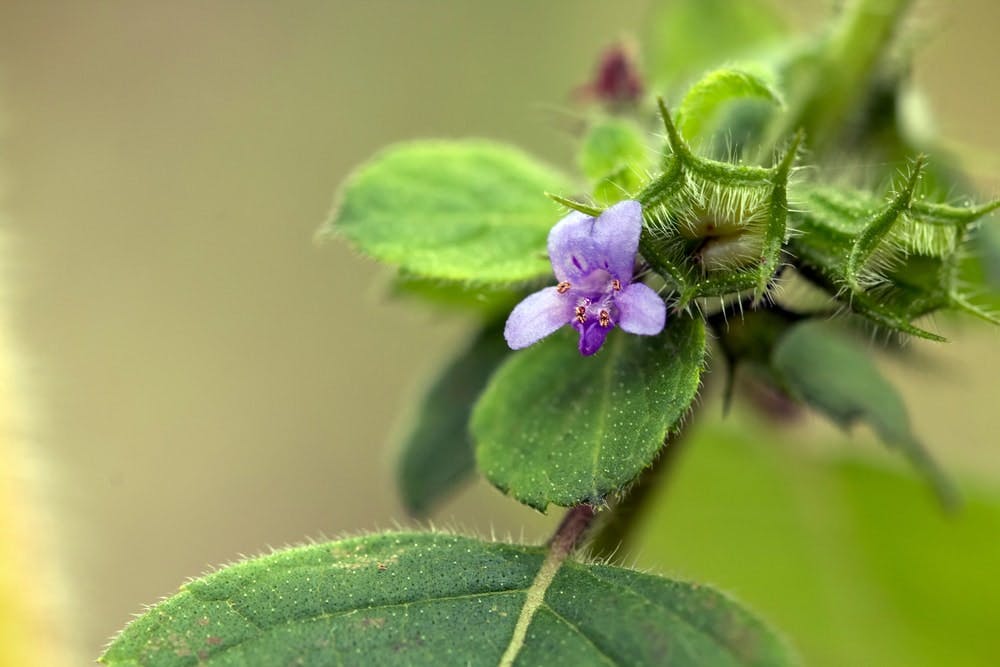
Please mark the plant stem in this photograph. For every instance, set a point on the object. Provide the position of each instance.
(854, 51)
(563, 542)
(571, 530)
(841, 75)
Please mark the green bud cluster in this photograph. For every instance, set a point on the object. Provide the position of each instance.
(724, 230)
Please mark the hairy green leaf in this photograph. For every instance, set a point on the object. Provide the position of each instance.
(555, 427)
(435, 599)
(437, 455)
(837, 378)
(610, 144)
(708, 95)
(454, 210)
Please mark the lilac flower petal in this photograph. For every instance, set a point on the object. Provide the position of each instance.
(640, 310)
(572, 249)
(616, 235)
(592, 336)
(536, 317)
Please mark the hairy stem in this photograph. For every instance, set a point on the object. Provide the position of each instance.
(571, 530)
(842, 74)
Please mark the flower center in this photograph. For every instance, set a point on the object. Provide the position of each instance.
(594, 297)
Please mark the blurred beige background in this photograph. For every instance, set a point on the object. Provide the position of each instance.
(207, 380)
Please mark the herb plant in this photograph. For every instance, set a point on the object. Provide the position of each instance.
(722, 220)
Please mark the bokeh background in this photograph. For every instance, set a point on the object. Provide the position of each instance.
(207, 381)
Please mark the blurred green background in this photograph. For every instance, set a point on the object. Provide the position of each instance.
(210, 382)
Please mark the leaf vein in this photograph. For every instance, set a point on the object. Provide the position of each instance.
(576, 629)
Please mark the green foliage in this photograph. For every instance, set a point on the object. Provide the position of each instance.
(437, 455)
(432, 599)
(615, 158)
(710, 94)
(837, 378)
(889, 262)
(687, 37)
(486, 301)
(834, 81)
(466, 223)
(452, 210)
(849, 558)
(610, 144)
(553, 427)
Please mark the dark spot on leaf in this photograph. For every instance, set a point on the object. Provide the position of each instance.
(376, 622)
(410, 643)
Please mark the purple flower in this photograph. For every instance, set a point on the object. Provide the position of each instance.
(593, 259)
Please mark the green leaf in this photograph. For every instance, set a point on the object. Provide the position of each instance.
(687, 37)
(435, 599)
(614, 156)
(555, 427)
(611, 143)
(454, 210)
(709, 94)
(848, 557)
(486, 301)
(437, 455)
(837, 378)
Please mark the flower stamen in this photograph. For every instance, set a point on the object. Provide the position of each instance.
(604, 319)
(581, 314)
(616, 285)
(563, 287)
